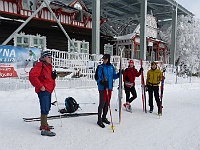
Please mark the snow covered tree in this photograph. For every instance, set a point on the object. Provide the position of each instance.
(187, 43)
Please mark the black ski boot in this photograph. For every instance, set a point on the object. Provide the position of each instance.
(105, 120)
(151, 110)
(101, 124)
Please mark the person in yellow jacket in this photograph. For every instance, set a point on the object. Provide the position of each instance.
(154, 76)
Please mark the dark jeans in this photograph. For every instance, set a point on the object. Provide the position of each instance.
(45, 102)
(128, 91)
(155, 90)
(103, 106)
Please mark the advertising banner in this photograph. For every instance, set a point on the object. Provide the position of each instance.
(17, 61)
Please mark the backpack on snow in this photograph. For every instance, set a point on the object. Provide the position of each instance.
(71, 105)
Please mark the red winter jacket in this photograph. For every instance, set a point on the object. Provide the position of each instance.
(130, 74)
(40, 76)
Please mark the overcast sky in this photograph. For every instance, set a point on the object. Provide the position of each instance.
(192, 5)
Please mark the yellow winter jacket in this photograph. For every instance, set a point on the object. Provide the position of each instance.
(154, 77)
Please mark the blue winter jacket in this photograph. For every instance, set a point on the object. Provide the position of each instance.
(108, 72)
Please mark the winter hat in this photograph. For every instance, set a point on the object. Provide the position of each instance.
(153, 63)
(131, 61)
(106, 56)
(45, 54)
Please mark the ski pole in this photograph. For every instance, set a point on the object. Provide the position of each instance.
(112, 126)
(58, 107)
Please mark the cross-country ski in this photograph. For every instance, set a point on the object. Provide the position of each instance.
(69, 115)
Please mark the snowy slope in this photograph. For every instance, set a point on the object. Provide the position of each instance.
(177, 129)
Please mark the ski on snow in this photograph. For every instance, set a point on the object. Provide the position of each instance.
(67, 115)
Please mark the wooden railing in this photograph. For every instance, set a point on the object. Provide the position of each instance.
(11, 8)
(79, 68)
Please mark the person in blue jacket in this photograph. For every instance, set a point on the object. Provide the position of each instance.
(106, 75)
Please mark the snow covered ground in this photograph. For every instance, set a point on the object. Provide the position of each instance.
(178, 128)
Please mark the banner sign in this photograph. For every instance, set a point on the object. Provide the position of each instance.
(17, 61)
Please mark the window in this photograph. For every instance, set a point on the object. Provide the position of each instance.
(108, 49)
(23, 40)
(81, 46)
(19, 39)
(26, 40)
(84, 47)
(35, 41)
(29, 4)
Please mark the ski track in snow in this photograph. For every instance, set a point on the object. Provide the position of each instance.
(178, 128)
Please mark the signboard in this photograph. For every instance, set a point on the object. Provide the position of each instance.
(7, 71)
(17, 61)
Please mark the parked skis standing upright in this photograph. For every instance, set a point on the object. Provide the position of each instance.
(120, 95)
(143, 86)
(129, 76)
(106, 74)
(154, 77)
(162, 90)
(43, 79)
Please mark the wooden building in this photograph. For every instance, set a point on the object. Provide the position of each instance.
(156, 49)
(73, 15)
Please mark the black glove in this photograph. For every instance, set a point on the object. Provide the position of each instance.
(54, 74)
(104, 83)
(141, 69)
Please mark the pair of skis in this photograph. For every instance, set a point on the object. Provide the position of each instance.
(162, 89)
(120, 96)
(67, 115)
(144, 106)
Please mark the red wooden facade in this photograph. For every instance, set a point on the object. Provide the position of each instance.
(65, 15)
(158, 47)
(74, 16)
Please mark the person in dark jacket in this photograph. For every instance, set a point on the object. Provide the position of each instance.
(106, 75)
(129, 76)
(43, 79)
(154, 76)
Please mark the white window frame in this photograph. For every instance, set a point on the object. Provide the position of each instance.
(31, 42)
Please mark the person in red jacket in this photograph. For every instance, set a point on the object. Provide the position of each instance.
(129, 76)
(43, 79)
